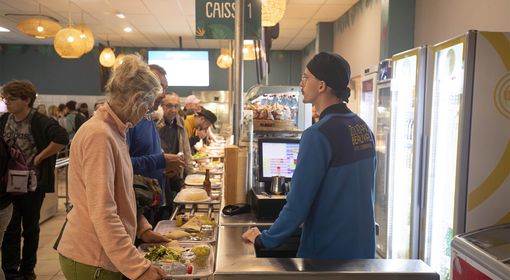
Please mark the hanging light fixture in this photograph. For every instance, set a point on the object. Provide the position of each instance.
(119, 60)
(272, 11)
(40, 26)
(67, 42)
(107, 56)
(249, 50)
(86, 35)
(224, 60)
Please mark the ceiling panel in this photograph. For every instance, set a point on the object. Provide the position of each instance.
(129, 6)
(296, 11)
(159, 22)
(330, 12)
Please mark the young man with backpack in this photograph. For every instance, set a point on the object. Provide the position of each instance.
(74, 119)
(38, 137)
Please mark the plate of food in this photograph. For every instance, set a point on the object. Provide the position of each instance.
(198, 180)
(181, 259)
(192, 195)
(196, 229)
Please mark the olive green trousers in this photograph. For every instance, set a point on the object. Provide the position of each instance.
(74, 270)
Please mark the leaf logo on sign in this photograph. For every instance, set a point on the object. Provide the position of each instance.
(200, 32)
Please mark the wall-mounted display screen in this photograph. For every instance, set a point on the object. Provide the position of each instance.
(183, 68)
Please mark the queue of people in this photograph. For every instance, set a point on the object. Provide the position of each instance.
(122, 138)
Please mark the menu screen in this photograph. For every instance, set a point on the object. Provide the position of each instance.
(279, 159)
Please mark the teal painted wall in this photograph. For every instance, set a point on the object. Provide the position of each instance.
(54, 75)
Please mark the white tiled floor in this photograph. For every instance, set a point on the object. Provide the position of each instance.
(48, 266)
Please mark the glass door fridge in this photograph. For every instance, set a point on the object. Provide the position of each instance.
(368, 99)
(468, 150)
(447, 94)
(399, 219)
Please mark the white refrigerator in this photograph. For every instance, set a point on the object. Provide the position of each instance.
(399, 136)
(368, 98)
(467, 142)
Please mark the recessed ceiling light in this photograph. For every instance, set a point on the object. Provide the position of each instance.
(120, 15)
(128, 29)
(2, 29)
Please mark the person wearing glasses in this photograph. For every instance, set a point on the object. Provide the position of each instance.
(98, 240)
(39, 138)
(147, 157)
(174, 139)
(332, 193)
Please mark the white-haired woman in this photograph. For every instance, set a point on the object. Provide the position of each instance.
(98, 240)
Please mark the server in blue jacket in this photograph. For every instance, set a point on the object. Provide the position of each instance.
(332, 192)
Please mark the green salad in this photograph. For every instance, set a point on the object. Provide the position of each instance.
(163, 253)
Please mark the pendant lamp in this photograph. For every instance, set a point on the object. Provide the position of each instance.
(107, 56)
(119, 60)
(39, 27)
(272, 11)
(86, 36)
(68, 43)
(224, 61)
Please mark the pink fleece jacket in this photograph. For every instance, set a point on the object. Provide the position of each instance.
(102, 225)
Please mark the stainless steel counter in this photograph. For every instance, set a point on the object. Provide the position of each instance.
(236, 260)
(247, 219)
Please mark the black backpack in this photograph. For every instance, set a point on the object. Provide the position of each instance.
(5, 156)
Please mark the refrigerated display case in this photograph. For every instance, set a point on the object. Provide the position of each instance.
(399, 121)
(282, 104)
(482, 254)
(467, 151)
(368, 99)
(383, 120)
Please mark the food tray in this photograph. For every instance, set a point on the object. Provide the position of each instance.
(198, 180)
(197, 271)
(163, 227)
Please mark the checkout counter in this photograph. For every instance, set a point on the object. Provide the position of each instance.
(237, 259)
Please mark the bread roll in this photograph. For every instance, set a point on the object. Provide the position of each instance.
(177, 234)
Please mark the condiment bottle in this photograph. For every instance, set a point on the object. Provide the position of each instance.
(207, 183)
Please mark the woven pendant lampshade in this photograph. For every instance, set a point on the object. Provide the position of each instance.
(248, 50)
(68, 43)
(272, 11)
(107, 57)
(86, 36)
(224, 61)
(119, 60)
(39, 28)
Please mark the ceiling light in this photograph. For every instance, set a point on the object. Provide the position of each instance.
(272, 11)
(128, 29)
(67, 43)
(107, 57)
(2, 29)
(224, 61)
(87, 37)
(119, 60)
(39, 28)
(120, 15)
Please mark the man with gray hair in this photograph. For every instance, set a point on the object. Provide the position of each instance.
(174, 139)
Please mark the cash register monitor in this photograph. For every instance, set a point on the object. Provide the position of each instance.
(277, 157)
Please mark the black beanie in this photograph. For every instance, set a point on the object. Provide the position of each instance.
(334, 70)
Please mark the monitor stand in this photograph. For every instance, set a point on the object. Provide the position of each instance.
(264, 204)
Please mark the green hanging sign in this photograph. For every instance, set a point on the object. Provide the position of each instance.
(215, 19)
